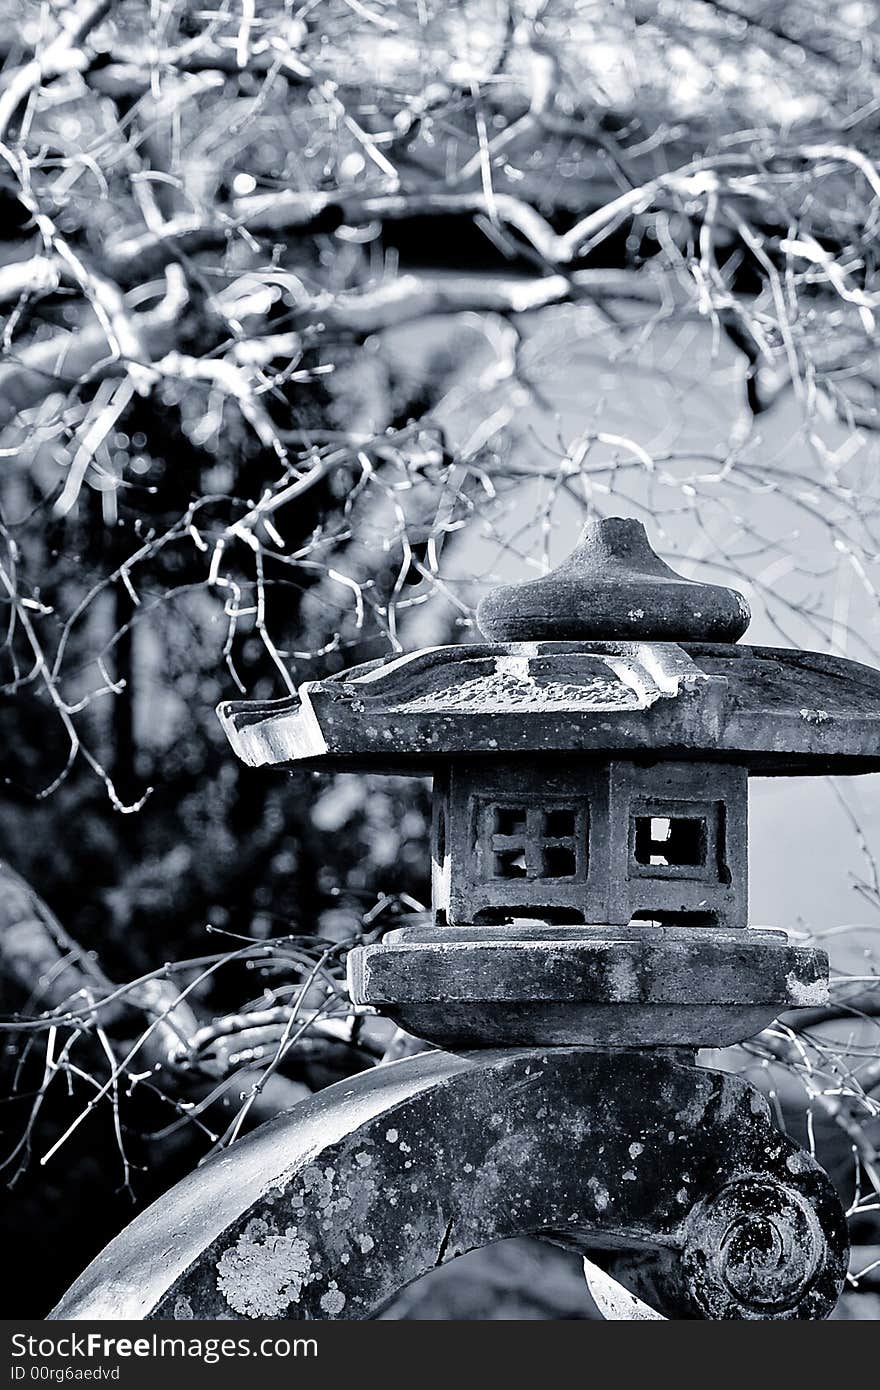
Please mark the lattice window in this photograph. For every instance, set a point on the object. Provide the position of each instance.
(534, 842)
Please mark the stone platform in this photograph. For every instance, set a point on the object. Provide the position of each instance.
(639, 986)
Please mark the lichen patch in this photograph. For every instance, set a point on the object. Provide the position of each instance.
(806, 992)
(264, 1271)
(333, 1301)
(601, 1198)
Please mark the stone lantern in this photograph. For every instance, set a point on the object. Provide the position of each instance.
(589, 932)
(590, 766)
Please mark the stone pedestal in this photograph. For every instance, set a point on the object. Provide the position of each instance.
(639, 986)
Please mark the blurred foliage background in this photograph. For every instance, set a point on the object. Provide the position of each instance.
(317, 318)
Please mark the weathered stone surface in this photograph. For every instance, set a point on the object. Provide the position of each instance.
(573, 843)
(613, 585)
(776, 712)
(630, 987)
(328, 1211)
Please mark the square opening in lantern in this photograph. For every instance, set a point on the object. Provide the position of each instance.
(509, 820)
(671, 841)
(509, 863)
(560, 861)
(559, 823)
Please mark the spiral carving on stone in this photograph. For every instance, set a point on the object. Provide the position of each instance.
(754, 1249)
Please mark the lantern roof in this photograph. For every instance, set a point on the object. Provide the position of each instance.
(610, 654)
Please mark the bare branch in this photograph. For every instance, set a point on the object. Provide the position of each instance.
(62, 54)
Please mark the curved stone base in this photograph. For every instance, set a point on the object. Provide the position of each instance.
(328, 1211)
(638, 986)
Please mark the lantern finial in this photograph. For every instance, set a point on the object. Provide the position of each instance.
(613, 587)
